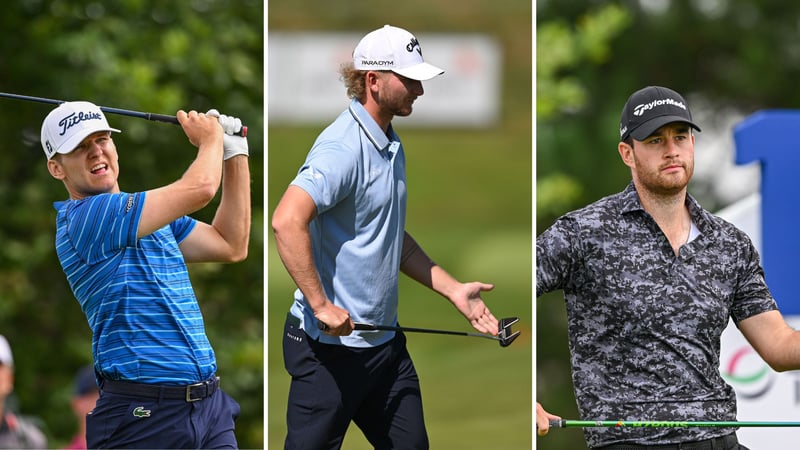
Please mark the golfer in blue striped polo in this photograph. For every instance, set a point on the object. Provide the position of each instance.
(124, 255)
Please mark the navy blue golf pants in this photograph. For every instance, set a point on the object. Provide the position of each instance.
(332, 385)
(130, 421)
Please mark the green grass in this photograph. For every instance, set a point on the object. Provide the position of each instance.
(470, 209)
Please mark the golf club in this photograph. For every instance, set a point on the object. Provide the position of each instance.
(562, 423)
(106, 109)
(504, 335)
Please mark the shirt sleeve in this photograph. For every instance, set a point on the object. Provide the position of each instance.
(100, 225)
(752, 294)
(556, 255)
(328, 174)
(182, 227)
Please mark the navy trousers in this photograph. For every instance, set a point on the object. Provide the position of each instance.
(332, 385)
(133, 421)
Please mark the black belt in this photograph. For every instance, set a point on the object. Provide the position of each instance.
(189, 393)
(719, 443)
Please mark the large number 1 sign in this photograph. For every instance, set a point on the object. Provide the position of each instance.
(773, 138)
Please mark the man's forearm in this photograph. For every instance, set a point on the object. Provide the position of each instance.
(294, 248)
(233, 217)
(416, 264)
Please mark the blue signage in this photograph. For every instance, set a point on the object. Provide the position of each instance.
(769, 138)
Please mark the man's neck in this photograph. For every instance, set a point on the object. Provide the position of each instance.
(670, 213)
(378, 115)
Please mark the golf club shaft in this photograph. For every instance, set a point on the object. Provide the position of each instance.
(369, 326)
(106, 109)
(562, 423)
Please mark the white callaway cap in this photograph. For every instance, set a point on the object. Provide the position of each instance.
(395, 49)
(69, 124)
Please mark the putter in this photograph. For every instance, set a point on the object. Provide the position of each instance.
(505, 336)
(106, 109)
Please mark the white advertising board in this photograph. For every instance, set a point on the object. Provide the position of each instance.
(762, 394)
(303, 85)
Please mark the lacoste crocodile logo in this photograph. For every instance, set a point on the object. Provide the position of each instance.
(141, 412)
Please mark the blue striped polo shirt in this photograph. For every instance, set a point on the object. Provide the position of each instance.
(147, 326)
(356, 175)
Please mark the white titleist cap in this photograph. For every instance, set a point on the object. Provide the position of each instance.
(5, 353)
(69, 124)
(395, 49)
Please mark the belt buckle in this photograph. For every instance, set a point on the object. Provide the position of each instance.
(189, 398)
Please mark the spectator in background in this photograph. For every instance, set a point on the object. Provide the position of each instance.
(83, 401)
(15, 431)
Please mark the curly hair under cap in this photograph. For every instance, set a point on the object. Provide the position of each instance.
(354, 81)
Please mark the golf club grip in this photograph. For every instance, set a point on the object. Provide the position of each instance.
(558, 423)
(161, 118)
(357, 326)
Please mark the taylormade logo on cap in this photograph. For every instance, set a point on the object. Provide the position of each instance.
(649, 109)
(640, 109)
(69, 124)
(395, 49)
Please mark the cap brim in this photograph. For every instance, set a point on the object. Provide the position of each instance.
(644, 130)
(70, 144)
(420, 72)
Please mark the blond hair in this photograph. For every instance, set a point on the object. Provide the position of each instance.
(354, 81)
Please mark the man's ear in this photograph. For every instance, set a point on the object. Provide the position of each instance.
(56, 169)
(372, 80)
(626, 153)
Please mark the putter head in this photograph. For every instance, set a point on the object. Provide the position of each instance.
(504, 331)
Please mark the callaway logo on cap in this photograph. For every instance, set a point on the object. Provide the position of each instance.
(651, 108)
(395, 49)
(69, 124)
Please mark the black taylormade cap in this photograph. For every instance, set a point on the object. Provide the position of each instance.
(651, 108)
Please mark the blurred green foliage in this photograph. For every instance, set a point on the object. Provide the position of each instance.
(142, 55)
(470, 207)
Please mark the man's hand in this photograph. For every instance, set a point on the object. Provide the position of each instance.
(467, 299)
(543, 420)
(199, 128)
(336, 320)
(233, 144)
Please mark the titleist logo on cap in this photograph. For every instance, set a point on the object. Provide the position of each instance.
(75, 118)
(641, 109)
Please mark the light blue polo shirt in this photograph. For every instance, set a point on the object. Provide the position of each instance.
(356, 176)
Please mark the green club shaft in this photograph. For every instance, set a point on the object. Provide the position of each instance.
(563, 423)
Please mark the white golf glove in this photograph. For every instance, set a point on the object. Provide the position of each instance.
(232, 144)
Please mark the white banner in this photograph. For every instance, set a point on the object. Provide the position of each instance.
(304, 86)
(762, 394)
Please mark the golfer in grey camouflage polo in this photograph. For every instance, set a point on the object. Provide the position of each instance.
(651, 280)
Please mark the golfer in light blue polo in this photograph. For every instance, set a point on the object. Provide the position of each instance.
(340, 232)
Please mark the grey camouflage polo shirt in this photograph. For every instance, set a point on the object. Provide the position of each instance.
(645, 325)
